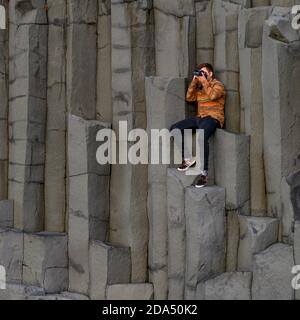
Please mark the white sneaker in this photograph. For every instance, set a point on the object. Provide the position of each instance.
(186, 164)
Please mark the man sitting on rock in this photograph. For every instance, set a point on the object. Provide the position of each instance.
(210, 96)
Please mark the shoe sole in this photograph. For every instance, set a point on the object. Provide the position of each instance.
(198, 187)
(187, 168)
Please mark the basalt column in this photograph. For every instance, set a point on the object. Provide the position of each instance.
(175, 37)
(281, 94)
(27, 111)
(3, 108)
(132, 60)
(251, 23)
(104, 98)
(226, 58)
(55, 172)
(204, 32)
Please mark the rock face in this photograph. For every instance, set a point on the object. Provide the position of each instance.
(132, 291)
(4, 108)
(251, 22)
(176, 186)
(174, 37)
(232, 171)
(74, 229)
(81, 63)
(88, 198)
(104, 62)
(20, 292)
(12, 254)
(204, 39)
(226, 57)
(228, 286)
(45, 261)
(272, 275)
(281, 120)
(27, 112)
(55, 159)
(167, 108)
(108, 265)
(205, 236)
(132, 41)
(256, 234)
(6, 213)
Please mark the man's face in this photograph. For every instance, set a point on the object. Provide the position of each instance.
(208, 73)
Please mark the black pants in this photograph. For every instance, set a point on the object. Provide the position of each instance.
(208, 124)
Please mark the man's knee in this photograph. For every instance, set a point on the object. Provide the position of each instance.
(173, 126)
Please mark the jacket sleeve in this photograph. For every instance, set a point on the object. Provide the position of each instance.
(191, 94)
(214, 91)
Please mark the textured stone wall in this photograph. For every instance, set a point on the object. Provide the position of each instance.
(73, 229)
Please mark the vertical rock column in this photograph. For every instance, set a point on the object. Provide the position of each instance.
(82, 58)
(232, 173)
(175, 37)
(85, 187)
(251, 23)
(281, 94)
(204, 32)
(3, 110)
(205, 236)
(176, 188)
(260, 3)
(88, 198)
(283, 3)
(272, 276)
(165, 106)
(27, 112)
(45, 261)
(55, 172)
(226, 58)
(132, 60)
(104, 98)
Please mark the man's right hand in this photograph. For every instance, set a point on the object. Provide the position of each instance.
(195, 80)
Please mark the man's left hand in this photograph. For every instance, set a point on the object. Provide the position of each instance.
(203, 80)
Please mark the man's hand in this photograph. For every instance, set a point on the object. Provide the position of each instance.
(201, 80)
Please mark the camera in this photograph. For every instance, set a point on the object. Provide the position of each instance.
(199, 73)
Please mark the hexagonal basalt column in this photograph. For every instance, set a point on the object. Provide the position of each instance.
(280, 78)
(175, 37)
(45, 261)
(256, 234)
(272, 276)
(165, 106)
(55, 159)
(4, 106)
(109, 264)
(132, 60)
(176, 188)
(88, 198)
(205, 235)
(27, 112)
(11, 254)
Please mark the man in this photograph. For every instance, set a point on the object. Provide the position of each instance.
(210, 95)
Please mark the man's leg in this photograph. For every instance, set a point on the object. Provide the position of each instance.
(209, 125)
(190, 123)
